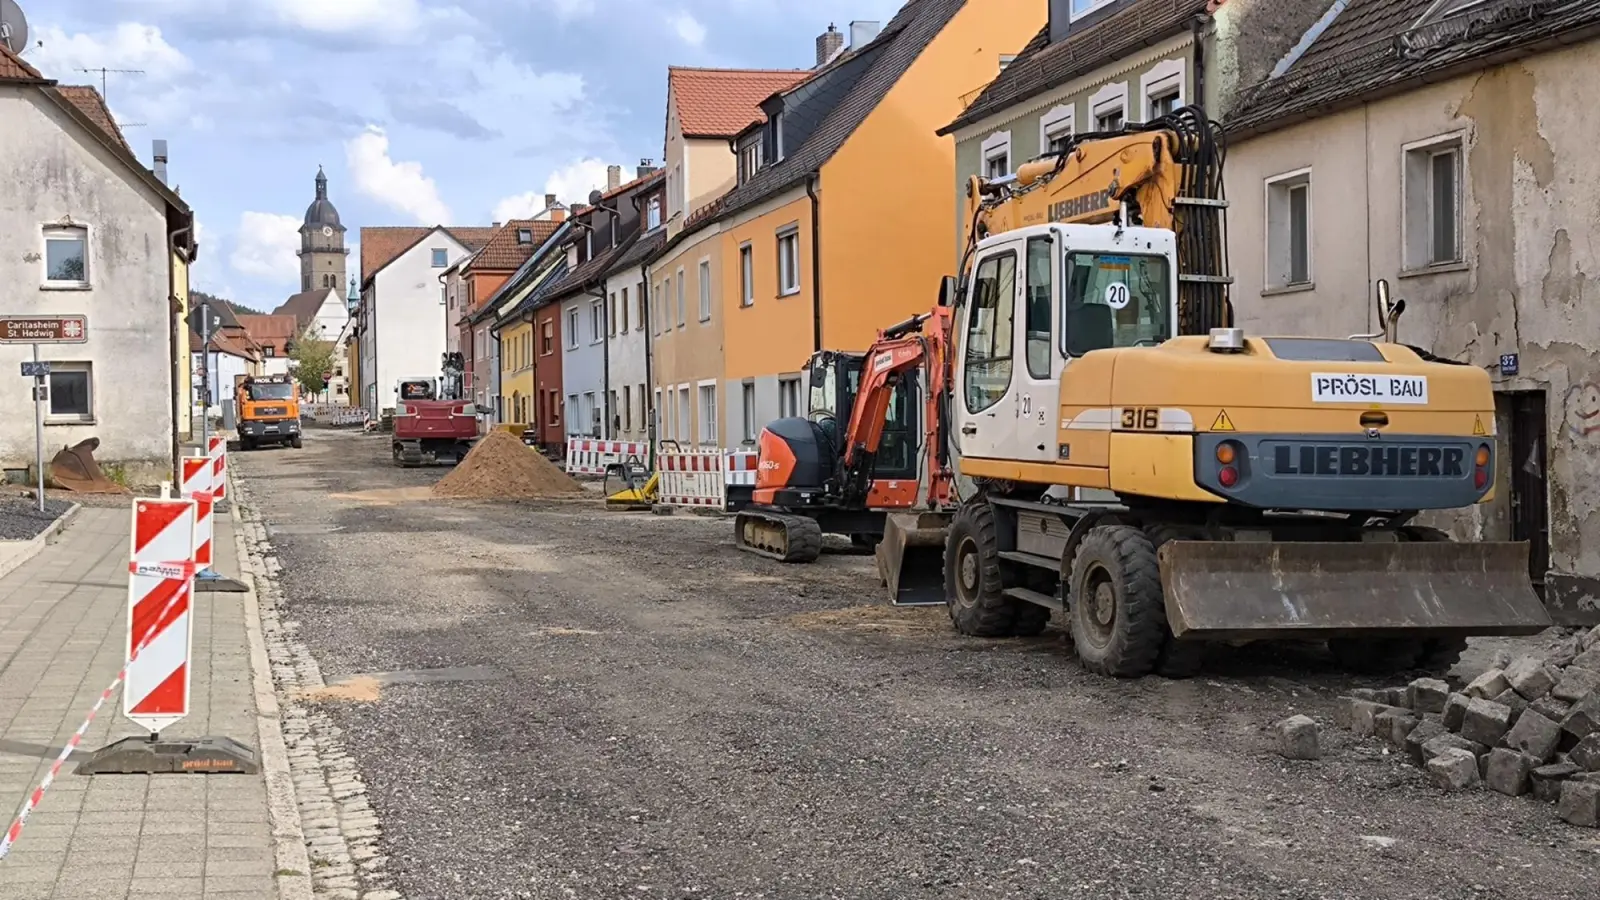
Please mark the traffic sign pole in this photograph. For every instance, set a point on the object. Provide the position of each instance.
(38, 424)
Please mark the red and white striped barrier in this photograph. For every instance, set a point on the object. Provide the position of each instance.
(741, 468)
(218, 451)
(587, 456)
(161, 524)
(161, 573)
(198, 473)
(691, 478)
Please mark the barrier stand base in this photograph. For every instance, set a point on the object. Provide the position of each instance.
(199, 756)
(209, 582)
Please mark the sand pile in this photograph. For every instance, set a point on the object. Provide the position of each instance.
(501, 467)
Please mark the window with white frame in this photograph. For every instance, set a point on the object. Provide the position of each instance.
(658, 412)
(623, 310)
(1055, 129)
(747, 275)
(997, 155)
(1108, 107)
(708, 414)
(685, 414)
(572, 408)
(1289, 230)
(611, 326)
(1081, 8)
(597, 320)
(441, 258)
(572, 329)
(705, 290)
(653, 216)
(627, 407)
(749, 403)
(682, 312)
(1164, 88)
(1433, 191)
(789, 261)
(639, 297)
(749, 160)
(789, 396)
(66, 256)
(71, 393)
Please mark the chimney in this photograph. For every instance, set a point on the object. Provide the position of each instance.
(160, 154)
(862, 33)
(558, 216)
(613, 177)
(494, 224)
(549, 201)
(829, 43)
(647, 167)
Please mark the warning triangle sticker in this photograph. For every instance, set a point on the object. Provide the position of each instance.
(1223, 423)
(1477, 427)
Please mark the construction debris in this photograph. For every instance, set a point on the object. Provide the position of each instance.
(1297, 738)
(75, 469)
(500, 467)
(1527, 725)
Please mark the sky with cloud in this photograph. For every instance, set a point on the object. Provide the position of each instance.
(422, 111)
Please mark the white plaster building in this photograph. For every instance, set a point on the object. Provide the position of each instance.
(401, 318)
(89, 231)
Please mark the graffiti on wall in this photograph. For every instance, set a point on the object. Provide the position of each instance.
(1583, 410)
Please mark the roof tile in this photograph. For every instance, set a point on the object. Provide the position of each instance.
(15, 68)
(1042, 65)
(1374, 48)
(273, 331)
(896, 47)
(383, 244)
(91, 104)
(503, 252)
(303, 306)
(721, 102)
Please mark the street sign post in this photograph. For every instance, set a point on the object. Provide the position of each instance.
(38, 330)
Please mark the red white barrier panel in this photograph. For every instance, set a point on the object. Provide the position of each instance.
(160, 585)
(692, 478)
(197, 476)
(587, 456)
(218, 451)
(741, 468)
(157, 525)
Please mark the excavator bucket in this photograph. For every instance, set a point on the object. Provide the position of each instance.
(911, 558)
(74, 469)
(1226, 590)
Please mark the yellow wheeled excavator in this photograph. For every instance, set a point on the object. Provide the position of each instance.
(1123, 455)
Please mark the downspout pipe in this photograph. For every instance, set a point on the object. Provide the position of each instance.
(812, 181)
(172, 341)
(1199, 26)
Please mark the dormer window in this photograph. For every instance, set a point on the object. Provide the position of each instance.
(653, 214)
(749, 160)
(524, 235)
(777, 137)
(1081, 8)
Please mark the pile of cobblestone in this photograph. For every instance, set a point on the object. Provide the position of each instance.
(1527, 725)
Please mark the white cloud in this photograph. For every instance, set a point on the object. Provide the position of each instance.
(367, 20)
(687, 27)
(128, 46)
(401, 186)
(265, 247)
(571, 184)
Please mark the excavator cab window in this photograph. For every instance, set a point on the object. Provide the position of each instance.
(1115, 300)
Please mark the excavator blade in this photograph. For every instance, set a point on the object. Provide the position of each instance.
(74, 469)
(911, 558)
(1227, 590)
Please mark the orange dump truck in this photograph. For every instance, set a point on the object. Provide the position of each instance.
(268, 410)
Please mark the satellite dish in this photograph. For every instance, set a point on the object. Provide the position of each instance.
(13, 27)
(594, 196)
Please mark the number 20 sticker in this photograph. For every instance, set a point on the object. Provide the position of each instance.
(1117, 295)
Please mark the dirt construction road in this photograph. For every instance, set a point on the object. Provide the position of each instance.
(629, 707)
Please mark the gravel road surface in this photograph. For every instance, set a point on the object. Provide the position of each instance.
(20, 519)
(623, 705)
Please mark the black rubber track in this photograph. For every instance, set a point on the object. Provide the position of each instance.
(1139, 627)
(802, 537)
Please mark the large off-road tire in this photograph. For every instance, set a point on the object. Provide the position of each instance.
(296, 442)
(1118, 621)
(972, 583)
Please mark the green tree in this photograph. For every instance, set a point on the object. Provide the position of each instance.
(313, 361)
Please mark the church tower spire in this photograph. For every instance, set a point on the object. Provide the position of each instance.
(324, 259)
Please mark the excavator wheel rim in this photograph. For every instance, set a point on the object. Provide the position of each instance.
(968, 575)
(1102, 606)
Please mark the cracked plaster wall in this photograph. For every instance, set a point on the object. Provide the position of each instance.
(1531, 205)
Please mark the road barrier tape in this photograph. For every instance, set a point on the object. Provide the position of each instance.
(162, 570)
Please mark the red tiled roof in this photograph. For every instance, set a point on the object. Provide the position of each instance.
(503, 251)
(271, 331)
(722, 102)
(15, 68)
(91, 104)
(473, 237)
(382, 245)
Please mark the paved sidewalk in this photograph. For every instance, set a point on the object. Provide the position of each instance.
(63, 620)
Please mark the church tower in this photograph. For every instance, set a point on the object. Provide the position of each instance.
(324, 259)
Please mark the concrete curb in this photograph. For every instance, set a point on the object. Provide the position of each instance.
(31, 547)
(288, 836)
